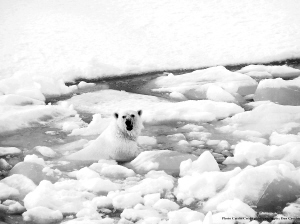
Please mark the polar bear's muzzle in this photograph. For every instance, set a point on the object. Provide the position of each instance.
(129, 124)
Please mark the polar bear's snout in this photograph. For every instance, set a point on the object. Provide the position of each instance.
(129, 124)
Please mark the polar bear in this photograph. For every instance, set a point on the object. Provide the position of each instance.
(118, 141)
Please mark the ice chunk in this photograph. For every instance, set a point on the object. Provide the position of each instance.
(278, 91)
(8, 192)
(4, 151)
(18, 117)
(206, 162)
(20, 182)
(191, 111)
(282, 71)
(135, 215)
(250, 184)
(126, 200)
(14, 99)
(112, 170)
(165, 205)
(83, 85)
(102, 202)
(96, 127)
(42, 215)
(152, 185)
(292, 210)
(238, 205)
(166, 160)
(66, 201)
(216, 83)
(98, 185)
(33, 171)
(281, 139)
(46, 151)
(203, 185)
(106, 102)
(265, 119)
(151, 199)
(258, 153)
(185, 215)
(14, 207)
(259, 75)
(89, 212)
(34, 159)
(86, 173)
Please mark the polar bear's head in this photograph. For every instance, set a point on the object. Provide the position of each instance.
(129, 121)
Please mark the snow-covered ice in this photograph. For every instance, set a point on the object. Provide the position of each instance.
(99, 39)
(216, 83)
(18, 117)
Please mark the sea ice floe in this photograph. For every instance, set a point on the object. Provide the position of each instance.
(216, 83)
(18, 117)
(263, 120)
(277, 71)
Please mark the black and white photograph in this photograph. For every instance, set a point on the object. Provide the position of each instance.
(149, 111)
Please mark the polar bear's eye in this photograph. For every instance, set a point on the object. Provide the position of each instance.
(123, 117)
(132, 115)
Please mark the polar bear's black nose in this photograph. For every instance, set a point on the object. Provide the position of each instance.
(129, 125)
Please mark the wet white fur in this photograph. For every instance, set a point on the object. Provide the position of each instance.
(115, 142)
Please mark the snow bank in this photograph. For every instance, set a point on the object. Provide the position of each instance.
(86, 40)
(276, 71)
(279, 91)
(18, 117)
(42, 215)
(264, 119)
(166, 160)
(216, 83)
(257, 153)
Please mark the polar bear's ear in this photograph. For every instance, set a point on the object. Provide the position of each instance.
(140, 112)
(116, 115)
